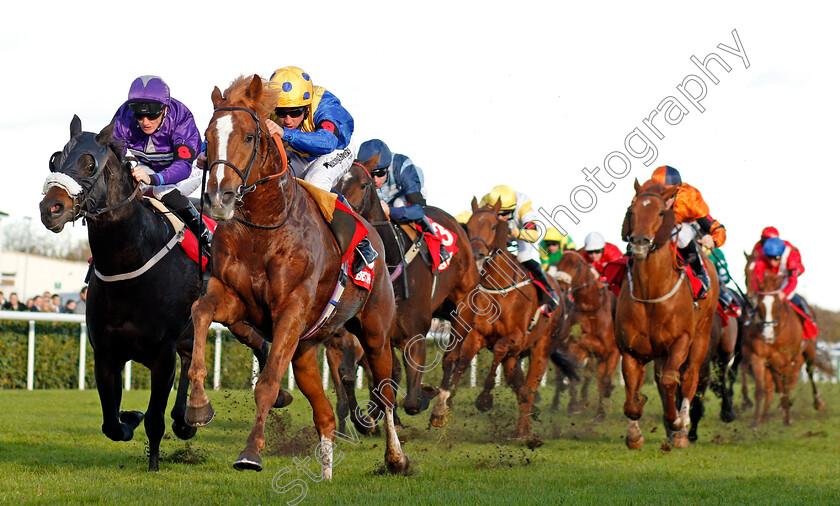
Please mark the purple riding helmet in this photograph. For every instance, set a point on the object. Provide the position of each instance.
(149, 89)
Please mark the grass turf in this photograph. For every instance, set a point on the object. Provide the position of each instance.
(52, 451)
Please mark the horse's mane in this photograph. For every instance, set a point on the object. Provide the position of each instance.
(238, 94)
(652, 186)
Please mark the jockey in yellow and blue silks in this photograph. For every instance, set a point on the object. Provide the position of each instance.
(518, 211)
(316, 131)
(400, 186)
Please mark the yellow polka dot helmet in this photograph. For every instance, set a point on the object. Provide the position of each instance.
(502, 192)
(295, 86)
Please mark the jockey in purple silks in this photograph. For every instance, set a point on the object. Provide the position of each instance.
(161, 134)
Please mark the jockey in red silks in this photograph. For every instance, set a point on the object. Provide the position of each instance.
(767, 233)
(598, 252)
(782, 257)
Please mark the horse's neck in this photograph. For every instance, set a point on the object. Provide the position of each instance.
(591, 289)
(657, 269)
(126, 235)
(375, 212)
(270, 202)
(503, 270)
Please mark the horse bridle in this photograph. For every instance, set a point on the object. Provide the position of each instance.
(84, 199)
(243, 190)
(491, 251)
(651, 243)
(579, 273)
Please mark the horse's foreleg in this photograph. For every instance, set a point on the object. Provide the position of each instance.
(118, 426)
(759, 371)
(634, 375)
(334, 355)
(288, 326)
(537, 364)
(809, 352)
(249, 336)
(162, 378)
(469, 348)
(606, 368)
(179, 426)
(484, 401)
(669, 381)
(222, 305)
(308, 379)
(414, 358)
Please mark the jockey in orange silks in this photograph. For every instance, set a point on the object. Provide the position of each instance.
(689, 207)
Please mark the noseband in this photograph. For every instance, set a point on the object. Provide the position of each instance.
(243, 190)
(491, 250)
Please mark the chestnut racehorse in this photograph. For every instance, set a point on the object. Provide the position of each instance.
(813, 360)
(428, 292)
(592, 309)
(656, 316)
(505, 303)
(276, 263)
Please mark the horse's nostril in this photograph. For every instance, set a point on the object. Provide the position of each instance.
(56, 208)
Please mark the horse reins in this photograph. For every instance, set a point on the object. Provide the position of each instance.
(492, 253)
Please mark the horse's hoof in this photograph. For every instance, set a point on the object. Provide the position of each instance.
(727, 416)
(248, 461)
(132, 418)
(284, 398)
(819, 404)
(429, 391)
(680, 439)
(575, 408)
(692, 437)
(634, 444)
(198, 417)
(484, 402)
(399, 467)
(746, 405)
(182, 430)
(366, 427)
(438, 420)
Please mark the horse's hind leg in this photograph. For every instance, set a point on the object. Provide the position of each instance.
(606, 370)
(443, 402)
(305, 362)
(118, 426)
(334, 356)
(162, 376)
(809, 351)
(484, 401)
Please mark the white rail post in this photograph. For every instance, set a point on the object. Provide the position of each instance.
(325, 374)
(498, 374)
(82, 355)
(128, 376)
(473, 364)
(291, 378)
(30, 357)
(359, 377)
(217, 361)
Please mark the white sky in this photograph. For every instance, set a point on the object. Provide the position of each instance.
(477, 94)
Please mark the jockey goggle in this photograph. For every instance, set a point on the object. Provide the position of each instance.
(505, 213)
(151, 110)
(294, 112)
(552, 243)
(776, 257)
(381, 172)
(595, 251)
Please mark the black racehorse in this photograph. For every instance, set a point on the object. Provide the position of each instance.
(142, 285)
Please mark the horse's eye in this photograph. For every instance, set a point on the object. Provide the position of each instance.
(54, 159)
(661, 213)
(249, 138)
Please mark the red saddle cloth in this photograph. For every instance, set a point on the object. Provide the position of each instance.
(444, 237)
(725, 313)
(811, 329)
(190, 243)
(614, 273)
(359, 234)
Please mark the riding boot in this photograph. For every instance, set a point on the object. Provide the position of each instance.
(184, 209)
(343, 226)
(693, 258)
(798, 302)
(727, 300)
(536, 270)
(427, 227)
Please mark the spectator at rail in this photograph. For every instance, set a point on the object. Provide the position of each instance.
(2, 299)
(14, 304)
(598, 252)
(81, 305)
(56, 303)
(69, 307)
(37, 304)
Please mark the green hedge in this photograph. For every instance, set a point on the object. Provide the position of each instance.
(57, 358)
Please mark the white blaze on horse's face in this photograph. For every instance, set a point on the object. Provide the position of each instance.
(768, 331)
(224, 129)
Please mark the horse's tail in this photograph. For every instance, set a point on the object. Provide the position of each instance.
(823, 362)
(567, 365)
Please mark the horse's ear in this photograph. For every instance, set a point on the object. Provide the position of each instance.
(747, 256)
(104, 137)
(216, 97)
(372, 162)
(497, 206)
(474, 204)
(75, 126)
(637, 186)
(255, 88)
(670, 196)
